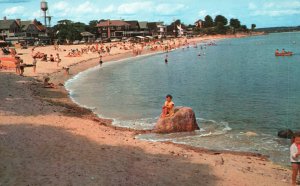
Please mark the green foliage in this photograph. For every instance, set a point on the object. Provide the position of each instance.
(208, 21)
(253, 26)
(68, 30)
(219, 25)
(80, 27)
(221, 28)
(92, 27)
(221, 20)
(65, 22)
(235, 23)
(210, 31)
(243, 28)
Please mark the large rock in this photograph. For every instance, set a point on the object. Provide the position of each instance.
(184, 120)
(287, 133)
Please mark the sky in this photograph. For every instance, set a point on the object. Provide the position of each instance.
(264, 13)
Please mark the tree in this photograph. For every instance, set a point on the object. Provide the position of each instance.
(253, 26)
(244, 28)
(235, 24)
(67, 30)
(64, 22)
(208, 21)
(92, 27)
(80, 27)
(221, 28)
(221, 19)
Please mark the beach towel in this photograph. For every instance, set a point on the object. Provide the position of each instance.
(8, 62)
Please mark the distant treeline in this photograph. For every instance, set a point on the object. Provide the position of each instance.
(221, 25)
(279, 29)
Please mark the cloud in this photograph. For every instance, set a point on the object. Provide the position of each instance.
(170, 9)
(275, 13)
(252, 6)
(133, 8)
(282, 5)
(35, 14)
(272, 9)
(16, 10)
(61, 9)
(86, 7)
(128, 9)
(61, 5)
(64, 9)
(214, 14)
(202, 13)
(14, 1)
(108, 9)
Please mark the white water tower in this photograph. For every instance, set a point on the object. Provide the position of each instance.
(44, 8)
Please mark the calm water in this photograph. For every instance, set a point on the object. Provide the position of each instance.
(235, 87)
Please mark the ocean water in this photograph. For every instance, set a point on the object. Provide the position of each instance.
(236, 87)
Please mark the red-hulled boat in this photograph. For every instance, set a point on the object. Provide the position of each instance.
(284, 54)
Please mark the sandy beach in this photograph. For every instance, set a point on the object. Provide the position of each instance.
(46, 139)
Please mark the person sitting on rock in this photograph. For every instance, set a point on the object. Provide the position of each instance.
(168, 108)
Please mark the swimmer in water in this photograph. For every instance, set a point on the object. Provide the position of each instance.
(166, 59)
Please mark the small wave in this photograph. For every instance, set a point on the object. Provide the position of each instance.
(213, 126)
(139, 124)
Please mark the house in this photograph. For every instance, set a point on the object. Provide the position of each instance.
(162, 30)
(134, 29)
(113, 28)
(134, 25)
(33, 29)
(87, 36)
(176, 29)
(20, 31)
(143, 26)
(137, 29)
(9, 28)
(199, 24)
(154, 28)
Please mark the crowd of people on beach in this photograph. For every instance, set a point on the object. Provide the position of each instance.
(38, 55)
(102, 49)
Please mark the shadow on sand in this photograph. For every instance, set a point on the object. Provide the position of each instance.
(45, 155)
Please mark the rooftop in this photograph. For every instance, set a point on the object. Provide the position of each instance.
(5, 24)
(143, 24)
(112, 23)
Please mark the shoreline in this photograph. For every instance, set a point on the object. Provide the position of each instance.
(64, 109)
(92, 63)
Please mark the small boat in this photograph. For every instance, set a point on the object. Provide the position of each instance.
(284, 54)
